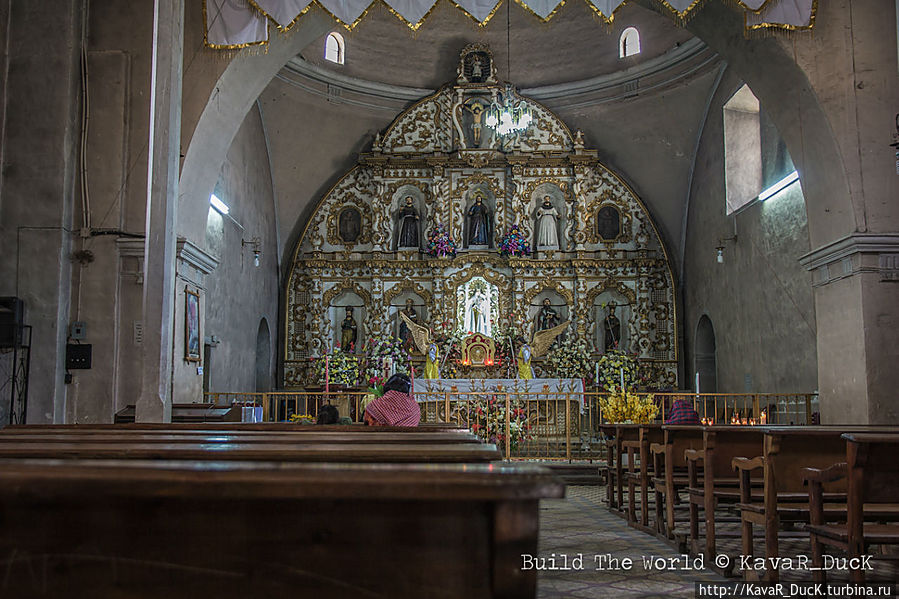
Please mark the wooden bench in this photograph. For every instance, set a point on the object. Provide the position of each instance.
(786, 452)
(639, 471)
(234, 426)
(670, 467)
(872, 491)
(720, 445)
(214, 438)
(616, 435)
(264, 450)
(178, 529)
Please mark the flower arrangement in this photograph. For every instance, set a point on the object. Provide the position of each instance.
(342, 368)
(514, 243)
(384, 354)
(569, 359)
(628, 407)
(302, 419)
(441, 243)
(611, 366)
(487, 419)
(449, 342)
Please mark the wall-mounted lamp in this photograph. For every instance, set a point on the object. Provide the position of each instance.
(254, 243)
(721, 246)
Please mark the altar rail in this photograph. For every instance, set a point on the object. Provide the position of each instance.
(542, 425)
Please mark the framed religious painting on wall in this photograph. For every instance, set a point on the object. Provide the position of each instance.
(191, 326)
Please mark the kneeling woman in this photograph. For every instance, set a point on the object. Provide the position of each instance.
(397, 407)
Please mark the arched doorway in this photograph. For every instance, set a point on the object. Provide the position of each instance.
(263, 358)
(704, 357)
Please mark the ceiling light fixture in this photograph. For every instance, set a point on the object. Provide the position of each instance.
(509, 113)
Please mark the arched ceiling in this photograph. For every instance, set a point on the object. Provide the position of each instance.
(568, 48)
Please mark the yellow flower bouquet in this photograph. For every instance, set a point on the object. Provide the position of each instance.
(628, 407)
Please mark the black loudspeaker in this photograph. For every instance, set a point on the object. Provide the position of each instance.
(12, 319)
(78, 356)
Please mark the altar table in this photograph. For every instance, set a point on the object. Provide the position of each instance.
(434, 389)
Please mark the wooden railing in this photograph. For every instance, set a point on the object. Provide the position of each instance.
(544, 425)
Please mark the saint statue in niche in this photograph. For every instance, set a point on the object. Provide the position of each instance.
(348, 331)
(547, 234)
(547, 318)
(477, 67)
(613, 329)
(349, 225)
(479, 223)
(405, 334)
(408, 226)
(608, 223)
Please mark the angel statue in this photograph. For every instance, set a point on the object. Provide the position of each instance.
(539, 345)
(422, 336)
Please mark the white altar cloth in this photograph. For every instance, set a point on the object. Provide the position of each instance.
(434, 389)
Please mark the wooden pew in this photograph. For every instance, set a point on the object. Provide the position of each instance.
(786, 453)
(873, 486)
(209, 437)
(182, 530)
(264, 450)
(670, 467)
(639, 471)
(233, 426)
(617, 434)
(720, 445)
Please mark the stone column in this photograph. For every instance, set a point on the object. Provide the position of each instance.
(155, 402)
(856, 282)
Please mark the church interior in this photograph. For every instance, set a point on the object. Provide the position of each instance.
(559, 223)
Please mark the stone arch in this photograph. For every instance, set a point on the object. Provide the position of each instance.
(790, 100)
(229, 99)
(263, 357)
(704, 358)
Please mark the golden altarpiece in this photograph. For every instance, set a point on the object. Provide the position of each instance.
(364, 253)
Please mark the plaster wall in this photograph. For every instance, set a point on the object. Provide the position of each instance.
(759, 300)
(238, 294)
(37, 184)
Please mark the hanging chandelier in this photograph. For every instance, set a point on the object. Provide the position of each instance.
(509, 113)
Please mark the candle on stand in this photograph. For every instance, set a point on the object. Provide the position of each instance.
(596, 374)
(411, 377)
(697, 383)
(327, 373)
(621, 372)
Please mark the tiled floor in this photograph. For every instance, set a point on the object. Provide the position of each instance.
(580, 524)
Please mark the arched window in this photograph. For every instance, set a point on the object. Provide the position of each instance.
(629, 44)
(334, 48)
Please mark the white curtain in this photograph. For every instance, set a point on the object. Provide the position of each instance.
(239, 23)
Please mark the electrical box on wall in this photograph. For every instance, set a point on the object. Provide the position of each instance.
(78, 331)
(78, 356)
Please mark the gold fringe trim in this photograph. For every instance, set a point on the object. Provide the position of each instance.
(680, 18)
(761, 30)
(547, 17)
